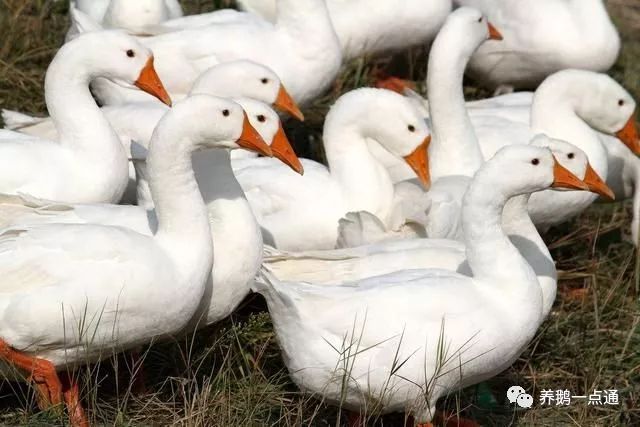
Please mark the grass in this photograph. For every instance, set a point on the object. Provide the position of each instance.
(232, 374)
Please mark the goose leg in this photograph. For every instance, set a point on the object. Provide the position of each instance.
(41, 372)
(77, 416)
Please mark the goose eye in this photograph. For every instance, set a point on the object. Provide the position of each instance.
(265, 81)
(480, 19)
(131, 53)
(621, 102)
(571, 155)
(411, 128)
(225, 113)
(262, 118)
(535, 162)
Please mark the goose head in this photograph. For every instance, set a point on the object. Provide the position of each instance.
(466, 28)
(219, 123)
(575, 161)
(601, 102)
(129, 14)
(268, 124)
(249, 79)
(386, 118)
(120, 58)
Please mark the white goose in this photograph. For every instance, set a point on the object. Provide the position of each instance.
(334, 267)
(87, 163)
(545, 37)
(302, 212)
(130, 297)
(386, 349)
(301, 48)
(364, 27)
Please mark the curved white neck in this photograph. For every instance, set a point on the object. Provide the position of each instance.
(554, 112)
(517, 224)
(492, 257)
(180, 210)
(365, 183)
(454, 149)
(78, 120)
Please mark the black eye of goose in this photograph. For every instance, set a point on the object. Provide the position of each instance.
(225, 113)
(131, 53)
(264, 81)
(261, 118)
(411, 128)
(480, 19)
(535, 162)
(571, 155)
(621, 102)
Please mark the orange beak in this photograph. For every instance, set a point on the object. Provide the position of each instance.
(494, 34)
(563, 178)
(149, 82)
(419, 162)
(285, 102)
(629, 135)
(283, 151)
(251, 140)
(596, 184)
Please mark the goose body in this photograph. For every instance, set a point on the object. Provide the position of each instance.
(87, 162)
(302, 212)
(545, 37)
(367, 27)
(431, 308)
(301, 48)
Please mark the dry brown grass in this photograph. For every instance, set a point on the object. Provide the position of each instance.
(232, 374)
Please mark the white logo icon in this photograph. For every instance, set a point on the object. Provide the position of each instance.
(525, 400)
(516, 394)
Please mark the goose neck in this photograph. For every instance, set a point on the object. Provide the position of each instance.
(364, 182)
(517, 224)
(491, 255)
(78, 120)
(180, 209)
(454, 149)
